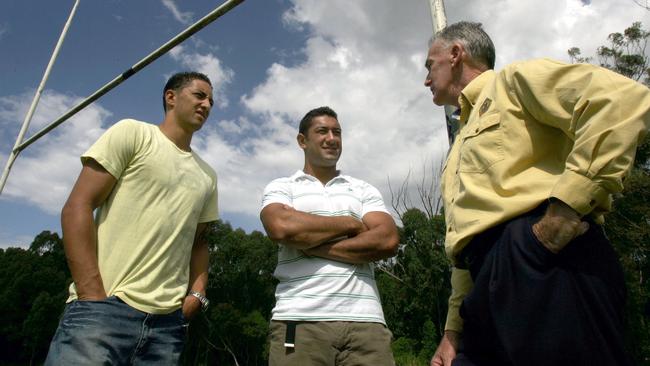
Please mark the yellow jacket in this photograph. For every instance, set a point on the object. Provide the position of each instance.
(537, 129)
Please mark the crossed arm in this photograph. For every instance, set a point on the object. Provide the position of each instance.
(341, 238)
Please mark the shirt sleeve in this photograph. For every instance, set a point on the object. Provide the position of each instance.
(372, 201)
(605, 114)
(461, 284)
(278, 191)
(115, 148)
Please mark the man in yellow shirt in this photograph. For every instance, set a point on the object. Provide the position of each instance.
(140, 266)
(541, 148)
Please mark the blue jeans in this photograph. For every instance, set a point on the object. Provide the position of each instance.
(110, 332)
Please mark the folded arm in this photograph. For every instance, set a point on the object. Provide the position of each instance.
(79, 233)
(303, 230)
(380, 241)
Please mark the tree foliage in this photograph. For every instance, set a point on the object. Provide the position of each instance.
(241, 290)
(414, 288)
(625, 53)
(32, 295)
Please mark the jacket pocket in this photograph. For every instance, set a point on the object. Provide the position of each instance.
(482, 145)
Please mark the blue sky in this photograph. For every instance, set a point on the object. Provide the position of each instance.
(270, 62)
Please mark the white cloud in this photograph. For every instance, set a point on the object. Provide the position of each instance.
(210, 65)
(182, 17)
(44, 173)
(530, 29)
(365, 59)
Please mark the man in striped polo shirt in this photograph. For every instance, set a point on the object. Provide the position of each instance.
(330, 228)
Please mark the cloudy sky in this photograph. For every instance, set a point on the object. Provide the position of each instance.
(270, 62)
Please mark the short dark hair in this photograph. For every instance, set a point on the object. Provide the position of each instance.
(180, 80)
(305, 122)
(477, 43)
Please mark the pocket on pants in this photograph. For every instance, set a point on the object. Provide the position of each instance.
(531, 234)
(89, 312)
(535, 251)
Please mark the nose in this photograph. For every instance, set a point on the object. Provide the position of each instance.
(427, 81)
(331, 137)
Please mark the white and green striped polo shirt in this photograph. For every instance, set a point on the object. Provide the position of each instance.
(314, 288)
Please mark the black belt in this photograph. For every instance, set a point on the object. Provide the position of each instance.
(290, 336)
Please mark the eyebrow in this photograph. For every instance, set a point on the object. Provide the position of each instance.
(335, 129)
(203, 94)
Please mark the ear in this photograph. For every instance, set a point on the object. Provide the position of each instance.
(456, 52)
(301, 141)
(170, 99)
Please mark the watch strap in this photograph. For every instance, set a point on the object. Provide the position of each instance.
(204, 300)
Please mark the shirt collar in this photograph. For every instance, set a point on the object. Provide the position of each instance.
(469, 95)
(300, 175)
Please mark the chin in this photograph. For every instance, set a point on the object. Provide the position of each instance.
(330, 161)
(438, 102)
(198, 125)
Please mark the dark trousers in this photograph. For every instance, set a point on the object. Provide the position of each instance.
(529, 306)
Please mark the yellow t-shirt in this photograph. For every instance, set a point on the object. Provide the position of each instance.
(146, 227)
(535, 130)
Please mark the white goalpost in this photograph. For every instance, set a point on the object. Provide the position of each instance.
(189, 31)
(37, 96)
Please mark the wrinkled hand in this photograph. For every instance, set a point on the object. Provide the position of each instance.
(559, 225)
(191, 307)
(446, 351)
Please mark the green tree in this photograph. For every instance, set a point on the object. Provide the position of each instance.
(32, 295)
(414, 288)
(625, 53)
(241, 290)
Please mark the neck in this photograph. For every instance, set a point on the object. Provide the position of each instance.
(323, 174)
(176, 134)
(470, 75)
(468, 72)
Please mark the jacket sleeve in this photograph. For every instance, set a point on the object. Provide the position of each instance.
(604, 114)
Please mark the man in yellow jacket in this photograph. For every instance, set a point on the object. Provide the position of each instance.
(541, 148)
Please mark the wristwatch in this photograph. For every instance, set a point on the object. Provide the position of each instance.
(204, 300)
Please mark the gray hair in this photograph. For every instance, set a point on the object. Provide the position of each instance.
(477, 43)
